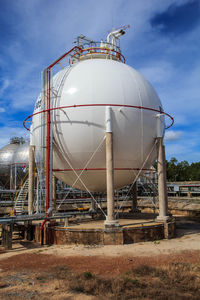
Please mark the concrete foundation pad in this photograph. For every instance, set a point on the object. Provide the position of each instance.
(93, 232)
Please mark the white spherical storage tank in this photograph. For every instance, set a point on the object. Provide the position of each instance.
(87, 87)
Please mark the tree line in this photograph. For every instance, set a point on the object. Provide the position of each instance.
(182, 171)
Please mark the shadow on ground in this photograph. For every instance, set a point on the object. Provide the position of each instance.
(187, 226)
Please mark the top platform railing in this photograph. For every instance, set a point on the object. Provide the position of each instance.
(98, 50)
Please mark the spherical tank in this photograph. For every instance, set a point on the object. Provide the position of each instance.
(21, 155)
(6, 158)
(13, 155)
(79, 132)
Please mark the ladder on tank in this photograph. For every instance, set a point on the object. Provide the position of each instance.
(21, 198)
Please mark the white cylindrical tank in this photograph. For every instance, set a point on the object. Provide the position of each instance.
(79, 131)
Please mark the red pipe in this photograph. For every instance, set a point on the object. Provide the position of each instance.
(101, 104)
(63, 56)
(48, 130)
(101, 169)
(42, 225)
(48, 138)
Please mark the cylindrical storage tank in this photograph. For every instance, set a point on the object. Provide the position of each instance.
(78, 132)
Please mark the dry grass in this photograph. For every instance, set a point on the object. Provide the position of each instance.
(172, 281)
(175, 281)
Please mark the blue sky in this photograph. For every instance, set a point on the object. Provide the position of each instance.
(163, 43)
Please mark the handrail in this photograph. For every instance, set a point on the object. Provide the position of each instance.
(108, 51)
(101, 169)
(100, 104)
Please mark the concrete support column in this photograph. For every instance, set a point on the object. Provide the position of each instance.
(162, 182)
(54, 185)
(134, 207)
(7, 236)
(92, 206)
(11, 177)
(110, 219)
(28, 230)
(31, 179)
(15, 177)
(65, 221)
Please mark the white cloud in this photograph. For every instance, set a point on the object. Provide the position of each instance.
(4, 84)
(172, 135)
(2, 110)
(158, 72)
(186, 147)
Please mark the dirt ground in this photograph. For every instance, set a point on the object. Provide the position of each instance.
(167, 269)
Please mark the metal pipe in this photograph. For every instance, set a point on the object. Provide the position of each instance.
(48, 129)
(64, 55)
(15, 176)
(42, 225)
(102, 169)
(48, 110)
(54, 182)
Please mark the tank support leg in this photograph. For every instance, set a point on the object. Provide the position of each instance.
(7, 236)
(92, 206)
(15, 177)
(28, 230)
(134, 208)
(110, 219)
(11, 177)
(162, 182)
(31, 179)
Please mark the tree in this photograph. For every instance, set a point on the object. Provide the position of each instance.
(171, 169)
(194, 171)
(181, 171)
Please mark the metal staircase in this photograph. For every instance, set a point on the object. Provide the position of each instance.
(21, 199)
(150, 186)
